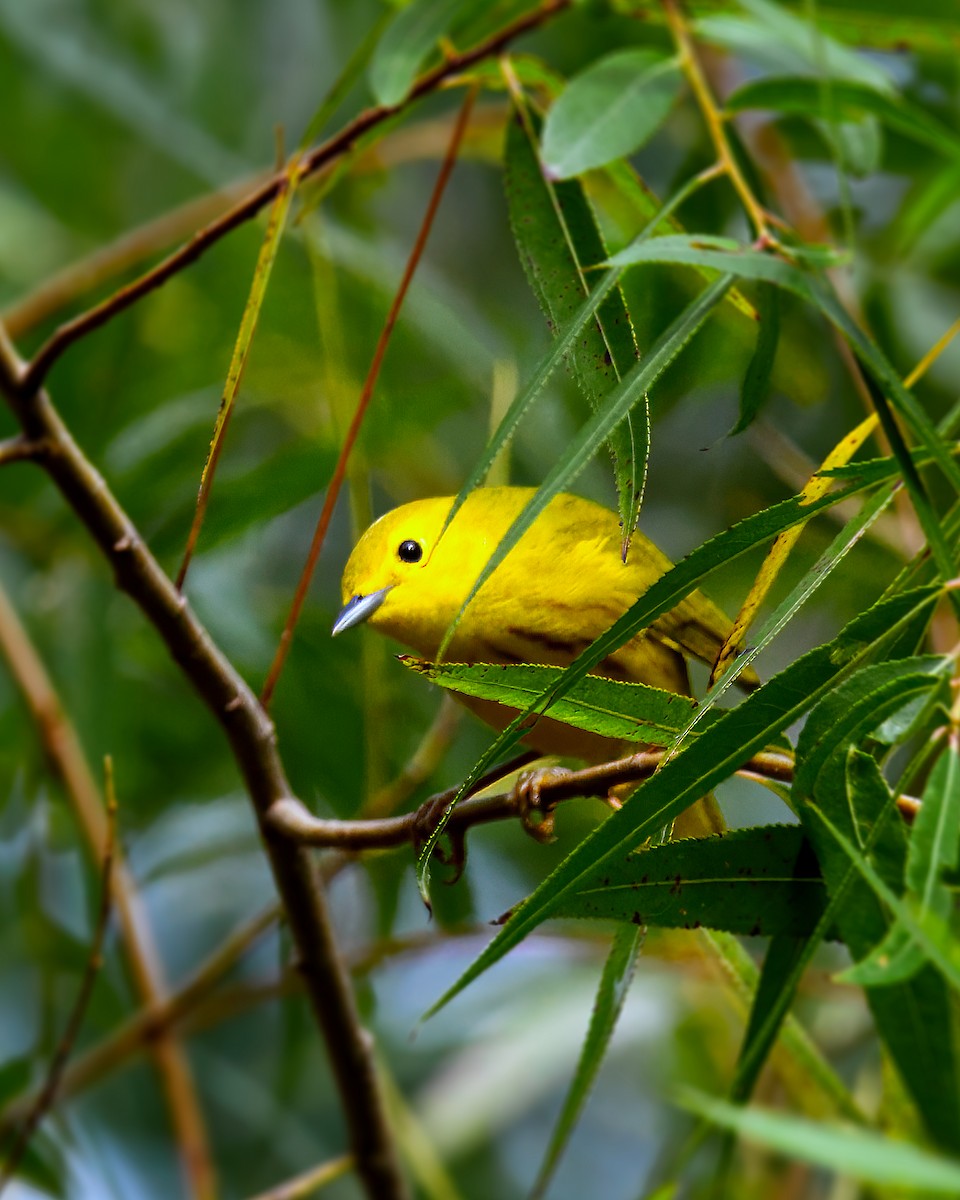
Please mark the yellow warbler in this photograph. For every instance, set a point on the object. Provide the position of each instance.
(561, 586)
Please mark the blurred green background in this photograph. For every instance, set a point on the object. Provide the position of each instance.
(116, 114)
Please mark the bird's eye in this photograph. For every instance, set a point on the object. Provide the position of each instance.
(409, 551)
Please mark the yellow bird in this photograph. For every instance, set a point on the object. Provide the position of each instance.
(561, 586)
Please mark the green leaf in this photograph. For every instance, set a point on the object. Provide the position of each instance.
(845, 100)
(609, 110)
(592, 435)
(408, 40)
(558, 242)
(630, 711)
(761, 882)
(699, 767)
(784, 41)
(861, 843)
(932, 850)
(861, 1154)
(756, 381)
(857, 706)
(614, 983)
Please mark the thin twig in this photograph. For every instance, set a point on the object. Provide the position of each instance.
(246, 209)
(128, 250)
(294, 820)
(366, 394)
(309, 1182)
(91, 970)
(66, 756)
(20, 448)
(690, 65)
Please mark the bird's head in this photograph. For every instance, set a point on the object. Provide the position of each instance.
(388, 580)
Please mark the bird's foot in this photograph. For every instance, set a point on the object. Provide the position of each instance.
(535, 811)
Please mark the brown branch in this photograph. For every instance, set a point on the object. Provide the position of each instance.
(20, 449)
(91, 970)
(291, 818)
(247, 208)
(366, 394)
(66, 757)
(128, 250)
(252, 738)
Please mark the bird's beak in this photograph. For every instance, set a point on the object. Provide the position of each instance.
(358, 609)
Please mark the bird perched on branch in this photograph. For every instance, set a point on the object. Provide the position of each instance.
(561, 587)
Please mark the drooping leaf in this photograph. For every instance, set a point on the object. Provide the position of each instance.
(609, 110)
(756, 380)
(559, 242)
(408, 40)
(614, 983)
(860, 1154)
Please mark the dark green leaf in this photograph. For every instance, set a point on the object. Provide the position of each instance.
(761, 882)
(861, 844)
(558, 242)
(756, 381)
(629, 711)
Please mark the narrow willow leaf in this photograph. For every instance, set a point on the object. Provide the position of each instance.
(632, 712)
(814, 578)
(815, 487)
(621, 199)
(558, 242)
(726, 255)
(611, 994)
(759, 882)
(785, 960)
(350, 73)
(861, 1154)
(857, 706)
(609, 110)
(699, 767)
(845, 100)
(565, 340)
(594, 433)
(408, 40)
(248, 325)
(807, 1075)
(879, 367)
(756, 380)
(932, 850)
(860, 841)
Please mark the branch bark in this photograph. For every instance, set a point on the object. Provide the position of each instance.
(253, 741)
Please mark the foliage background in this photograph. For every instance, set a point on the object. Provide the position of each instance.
(116, 114)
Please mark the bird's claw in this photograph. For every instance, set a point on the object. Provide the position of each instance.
(535, 812)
